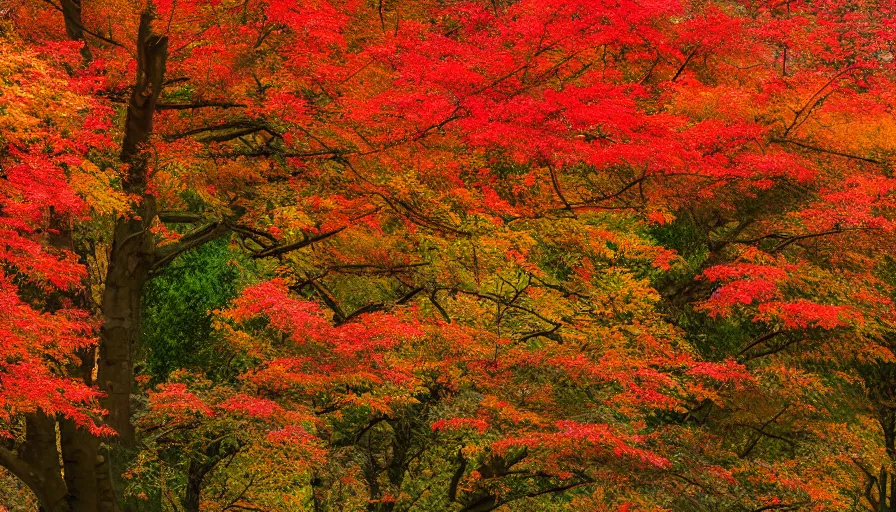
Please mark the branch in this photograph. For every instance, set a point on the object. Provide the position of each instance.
(497, 300)
(797, 238)
(439, 308)
(191, 240)
(489, 502)
(255, 235)
(201, 104)
(787, 239)
(268, 152)
(687, 60)
(277, 251)
(590, 202)
(360, 268)
(558, 288)
(560, 488)
(781, 506)
(329, 300)
(871, 482)
(765, 337)
(458, 473)
(224, 137)
(349, 441)
(812, 102)
(406, 210)
(557, 188)
(550, 334)
(24, 472)
(827, 151)
(761, 430)
(233, 502)
(380, 306)
(218, 127)
(85, 29)
(176, 217)
(787, 440)
(773, 350)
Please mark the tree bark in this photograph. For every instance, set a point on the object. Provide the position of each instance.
(200, 467)
(39, 450)
(882, 489)
(131, 259)
(71, 12)
(79, 454)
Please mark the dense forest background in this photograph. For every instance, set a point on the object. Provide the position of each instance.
(447, 255)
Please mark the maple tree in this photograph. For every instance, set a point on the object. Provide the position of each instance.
(574, 254)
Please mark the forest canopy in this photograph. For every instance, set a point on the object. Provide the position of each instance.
(447, 255)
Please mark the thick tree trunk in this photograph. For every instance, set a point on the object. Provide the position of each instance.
(121, 311)
(132, 246)
(79, 456)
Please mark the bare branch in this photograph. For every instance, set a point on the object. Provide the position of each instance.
(167, 253)
(231, 125)
(826, 151)
(85, 29)
(200, 104)
(380, 306)
(177, 217)
(279, 250)
(765, 337)
(557, 188)
(687, 61)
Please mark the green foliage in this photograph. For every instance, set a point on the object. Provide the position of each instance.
(177, 306)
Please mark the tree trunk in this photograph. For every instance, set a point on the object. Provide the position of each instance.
(79, 455)
(42, 458)
(888, 424)
(71, 12)
(882, 489)
(213, 454)
(132, 246)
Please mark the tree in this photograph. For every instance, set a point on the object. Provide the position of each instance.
(581, 253)
(46, 179)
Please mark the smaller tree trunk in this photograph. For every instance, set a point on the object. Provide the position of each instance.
(41, 458)
(79, 454)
